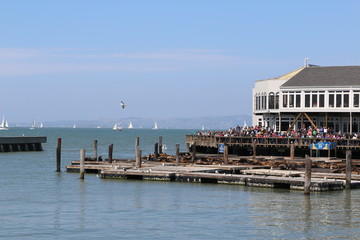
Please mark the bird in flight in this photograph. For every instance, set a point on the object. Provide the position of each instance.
(122, 104)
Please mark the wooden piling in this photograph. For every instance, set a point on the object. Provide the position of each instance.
(254, 149)
(193, 153)
(160, 145)
(138, 158)
(156, 149)
(95, 149)
(307, 176)
(348, 169)
(226, 154)
(58, 155)
(177, 154)
(137, 143)
(292, 151)
(82, 163)
(111, 152)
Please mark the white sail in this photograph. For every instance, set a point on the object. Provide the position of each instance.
(4, 124)
(32, 125)
(130, 125)
(155, 126)
(203, 128)
(41, 125)
(74, 126)
(117, 127)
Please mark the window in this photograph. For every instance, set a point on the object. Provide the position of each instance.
(331, 100)
(298, 100)
(307, 100)
(322, 100)
(346, 100)
(285, 100)
(338, 100)
(264, 102)
(271, 100)
(314, 100)
(291, 100)
(277, 100)
(356, 99)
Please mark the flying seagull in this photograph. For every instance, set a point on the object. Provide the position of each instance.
(122, 104)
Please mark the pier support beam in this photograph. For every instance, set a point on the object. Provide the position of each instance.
(156, 150)
(348, 169)
(307, 176)
(193, 153)
(137, 143)
(160, 145)
(95, 149)
(177, 154)
(292, 151)
(82, 163)
(226, 154)
(58, 155)
(138, 158)
(111, 146)
(254, 149)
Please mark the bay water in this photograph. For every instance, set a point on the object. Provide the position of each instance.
(38, 203)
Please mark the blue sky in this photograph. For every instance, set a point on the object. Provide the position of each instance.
(76, 60)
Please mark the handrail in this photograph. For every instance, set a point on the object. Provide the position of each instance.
(231, 140)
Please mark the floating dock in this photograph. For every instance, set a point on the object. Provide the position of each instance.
(21, 144)
(245, 175)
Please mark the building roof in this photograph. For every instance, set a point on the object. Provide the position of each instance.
(315, 76)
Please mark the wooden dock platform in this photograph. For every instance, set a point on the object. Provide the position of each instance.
(245, 174)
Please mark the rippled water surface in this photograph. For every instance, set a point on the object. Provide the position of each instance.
(38, 203)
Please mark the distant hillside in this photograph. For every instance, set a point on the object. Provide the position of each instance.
(172, 123)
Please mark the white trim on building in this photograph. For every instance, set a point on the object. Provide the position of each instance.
(277, 106)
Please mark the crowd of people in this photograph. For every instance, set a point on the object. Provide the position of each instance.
(257, 131)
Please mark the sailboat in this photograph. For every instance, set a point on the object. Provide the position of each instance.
(130, 125)
(117, 127)
(203, 128)
(74, 126)
(155, 126)
(32, 126)
(4, 124)
(41, 125)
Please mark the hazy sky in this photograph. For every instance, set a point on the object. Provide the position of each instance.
(76, 60)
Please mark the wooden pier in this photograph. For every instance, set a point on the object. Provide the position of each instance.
(21, 144)
(289, 172)
(245, 174)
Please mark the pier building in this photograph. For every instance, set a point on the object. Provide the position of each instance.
(311, 95)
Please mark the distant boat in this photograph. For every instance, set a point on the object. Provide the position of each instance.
(117, 127)
(155, 126)
(130, 125)
(41, 125)
(74, 126)
(4, 124)
(32, 125)
(203, 128)
(98, 127)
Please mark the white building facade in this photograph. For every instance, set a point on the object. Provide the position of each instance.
(312, 95)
